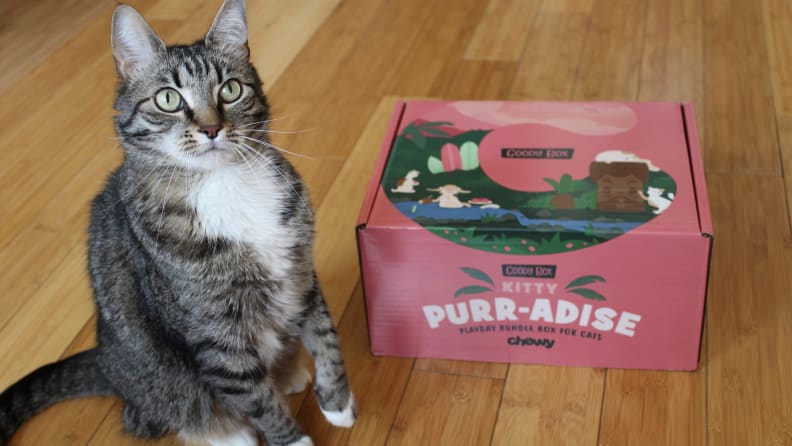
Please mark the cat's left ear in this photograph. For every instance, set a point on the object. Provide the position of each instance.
(135, 45)
(229, 32)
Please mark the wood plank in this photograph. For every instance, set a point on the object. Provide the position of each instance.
(660, 407)
(665, 407)
(438, 409)
(274, 39)
(31, 31)
(70, 422)
(328, 48)
(487, 79)
(549, 405)
(549, 64)
(749, 310)
(29, 339)
(740, 125)
(425, 72)
(336, 246)
(777, 22)
(500, 34)
(378, 383)
(611, 60)
(357, 87)
(464, 368)
(56, 74)
(672, 68)
(43, 230)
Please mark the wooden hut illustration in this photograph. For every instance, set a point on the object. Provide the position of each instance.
(619, 185)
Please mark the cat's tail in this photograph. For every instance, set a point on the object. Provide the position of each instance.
(74, 377)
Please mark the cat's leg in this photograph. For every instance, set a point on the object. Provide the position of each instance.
(265, 409)
(140, 425)
(319, 336)
(292, 375)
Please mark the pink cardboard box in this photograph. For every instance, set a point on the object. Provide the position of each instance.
(537, 232)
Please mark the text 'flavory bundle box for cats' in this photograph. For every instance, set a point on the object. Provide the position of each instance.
(555, 233)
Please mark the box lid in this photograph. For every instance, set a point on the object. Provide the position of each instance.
(539, 177)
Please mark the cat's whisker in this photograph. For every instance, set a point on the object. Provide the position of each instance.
(158, 227)
(282, 174)
(261, 122)
(268, 163)
(299, 155)
(282, 131)
(244, 158)
(124, 197)
(188, 229)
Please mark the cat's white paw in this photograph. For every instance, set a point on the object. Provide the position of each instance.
(304, 441)
(344, 418)
(297, 382)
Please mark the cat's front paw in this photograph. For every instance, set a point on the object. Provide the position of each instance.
(304, 441)
(343, 418)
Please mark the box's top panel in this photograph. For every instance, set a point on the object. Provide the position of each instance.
(538, 177)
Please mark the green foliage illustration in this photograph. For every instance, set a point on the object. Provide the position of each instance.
(576, 285)
(475, 289)
(416, 131)
(478, 275)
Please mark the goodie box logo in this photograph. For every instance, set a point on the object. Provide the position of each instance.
(531, 307)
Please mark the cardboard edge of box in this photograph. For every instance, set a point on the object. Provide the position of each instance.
(371, 194)
(697, 174)
(702, 202)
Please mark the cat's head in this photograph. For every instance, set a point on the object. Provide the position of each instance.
(195, 105)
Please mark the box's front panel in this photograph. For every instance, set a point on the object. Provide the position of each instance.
(635, 302)
(563, 233)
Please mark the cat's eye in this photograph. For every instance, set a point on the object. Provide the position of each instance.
(231, 91)
(168, 100)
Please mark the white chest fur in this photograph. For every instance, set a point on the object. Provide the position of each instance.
(236, 204)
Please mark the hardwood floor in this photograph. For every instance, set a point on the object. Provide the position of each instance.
(332, 69)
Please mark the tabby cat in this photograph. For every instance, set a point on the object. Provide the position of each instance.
(200, 257)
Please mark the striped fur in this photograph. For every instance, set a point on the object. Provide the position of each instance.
(200, 255)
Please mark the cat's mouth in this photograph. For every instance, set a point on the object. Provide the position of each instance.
(214, 150)
(210, 147)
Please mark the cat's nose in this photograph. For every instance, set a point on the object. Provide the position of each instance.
(211, 130)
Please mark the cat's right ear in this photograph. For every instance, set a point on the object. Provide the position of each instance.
(135, 45)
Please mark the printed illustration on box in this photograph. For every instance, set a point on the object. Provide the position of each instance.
(498, 189)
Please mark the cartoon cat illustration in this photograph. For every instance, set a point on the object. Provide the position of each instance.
(407, 184)
(656, 199)
(448, 196)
